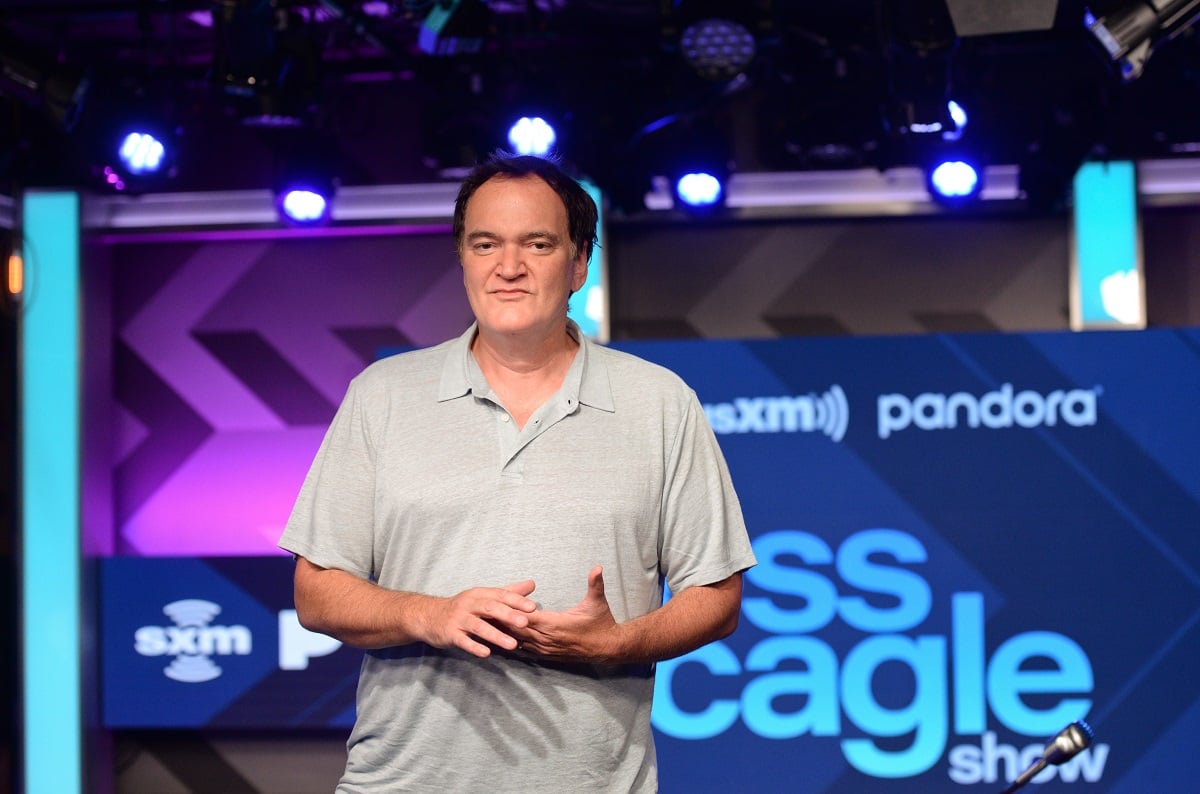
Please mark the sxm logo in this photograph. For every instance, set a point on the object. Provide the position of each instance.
(1002, 408)
(192, 641)
(891, 601)
(804, 413)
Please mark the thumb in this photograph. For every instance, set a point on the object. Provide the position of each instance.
(595, 589)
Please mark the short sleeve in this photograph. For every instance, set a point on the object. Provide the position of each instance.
(332, 521)
(704, 537)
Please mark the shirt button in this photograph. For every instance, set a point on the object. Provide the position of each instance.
(504, 418)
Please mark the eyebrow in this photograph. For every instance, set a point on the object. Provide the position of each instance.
(548, 236)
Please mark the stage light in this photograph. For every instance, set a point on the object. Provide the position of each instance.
(698, 162)
(142, 153)
(719, 40)
(699, 189)
(1133, 31)
(304, 182)
(532, 135)
(135, 148)
(959, 116)
(717, 49)
(954, 181)
(15, 275)
(304, 205)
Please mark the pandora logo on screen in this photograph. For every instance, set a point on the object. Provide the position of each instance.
(998, 409)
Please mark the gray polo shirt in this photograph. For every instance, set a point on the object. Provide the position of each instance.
(423, 483)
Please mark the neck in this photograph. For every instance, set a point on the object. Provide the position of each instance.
(523, 355)
(524, 376)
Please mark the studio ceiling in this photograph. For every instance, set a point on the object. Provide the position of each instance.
(821, 91)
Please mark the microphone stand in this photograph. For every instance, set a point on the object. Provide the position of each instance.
(1026, 776)
(1066, 745)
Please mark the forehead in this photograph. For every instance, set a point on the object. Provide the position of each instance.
(528, 199)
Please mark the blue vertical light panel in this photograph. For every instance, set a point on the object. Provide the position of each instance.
(1106, 260)
(589, 307)
(50, 502)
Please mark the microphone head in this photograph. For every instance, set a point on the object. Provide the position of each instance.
(1069, 742)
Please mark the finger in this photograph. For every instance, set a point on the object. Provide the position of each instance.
(487, 632)
(474, 648)
(514, 595)
(523, 588)
(501, 612)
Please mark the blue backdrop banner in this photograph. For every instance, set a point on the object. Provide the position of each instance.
(965, 543)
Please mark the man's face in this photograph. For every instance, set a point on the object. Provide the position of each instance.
(516, 256)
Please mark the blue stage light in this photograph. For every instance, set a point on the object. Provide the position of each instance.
(699, 189)
(142, 153)
(532, 135)
(954, 181)
(958, 115)
(304, 205)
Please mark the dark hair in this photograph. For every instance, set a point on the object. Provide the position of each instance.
(582, 215)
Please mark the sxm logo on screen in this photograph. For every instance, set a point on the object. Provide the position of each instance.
(194, 643)
(835, 690)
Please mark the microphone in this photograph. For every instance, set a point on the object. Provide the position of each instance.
(1069, 742)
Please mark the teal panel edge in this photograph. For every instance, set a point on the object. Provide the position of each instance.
(51, 644)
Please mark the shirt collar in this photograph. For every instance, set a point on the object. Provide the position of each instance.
(587, 377)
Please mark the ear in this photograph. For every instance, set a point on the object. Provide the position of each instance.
(579, 275)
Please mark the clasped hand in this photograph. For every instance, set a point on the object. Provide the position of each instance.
(481, 618)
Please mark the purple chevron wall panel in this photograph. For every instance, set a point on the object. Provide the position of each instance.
(229, 359)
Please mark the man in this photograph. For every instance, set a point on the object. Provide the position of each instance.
(492, 519)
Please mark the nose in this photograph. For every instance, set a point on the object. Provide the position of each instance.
(512, 262)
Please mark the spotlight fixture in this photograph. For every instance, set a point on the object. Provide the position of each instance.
(305, 199)
(699, 167)
(699, 189)
(958, 116)
(954, 180)
(717, 39)
(717, 49)
(532, 135)
(304, 178)
(142, 153)
(135, 149)
(304, 205)
(1133, 31)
